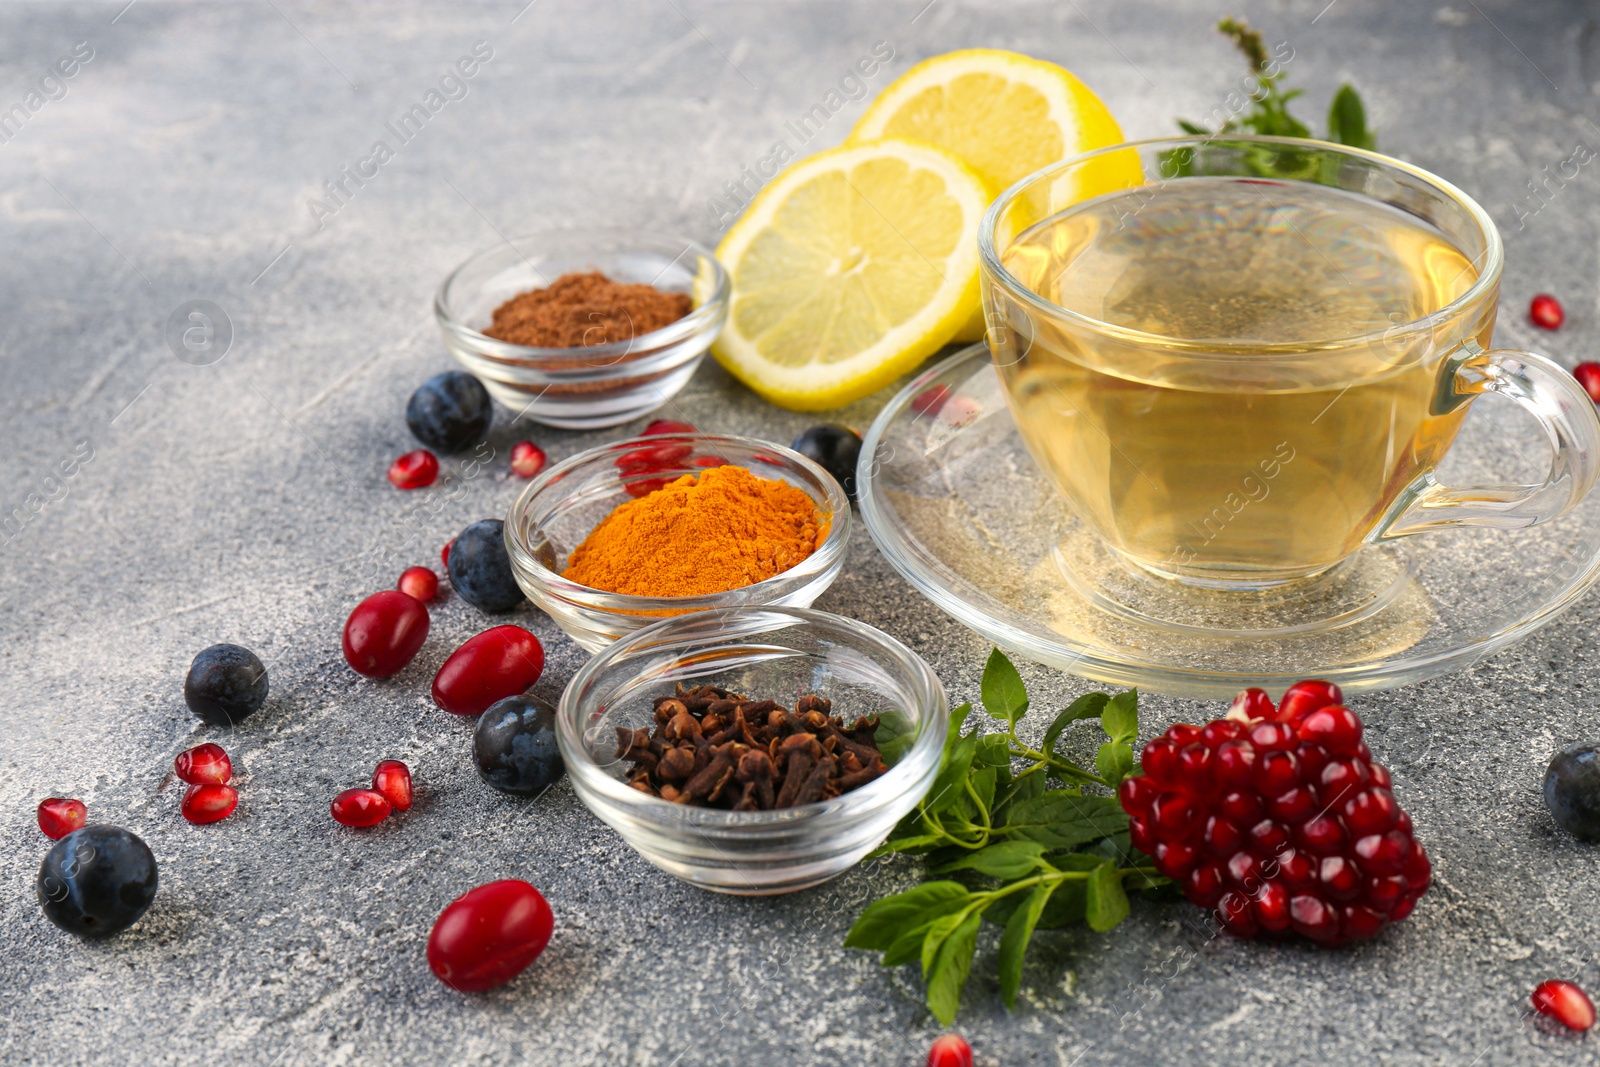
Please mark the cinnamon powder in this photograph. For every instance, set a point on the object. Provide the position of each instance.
(579, 310)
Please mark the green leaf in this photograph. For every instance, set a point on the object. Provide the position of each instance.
(994, 750)
(886, 919)
(913, 844)
(1191, 129)
(1007, 860)
(947, 788)
(1114, 761)
(957, 718)
(1004, 695)
(1120, 719)
(946, 969)
(1016, 791)
(1347, 120)
(895, 735)
(1062, 819)
(1107, 904)
(1014, 942)
(983, 783)
(1087, 706)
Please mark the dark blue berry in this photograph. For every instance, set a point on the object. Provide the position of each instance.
(1572, 791)
(515, 746)
(450, 412)
(835, 449)
(97, 881)
(226, 683)
(480, 569)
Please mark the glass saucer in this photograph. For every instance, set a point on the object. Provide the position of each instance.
(959, 508)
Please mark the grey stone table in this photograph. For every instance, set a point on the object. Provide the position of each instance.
(189, 157)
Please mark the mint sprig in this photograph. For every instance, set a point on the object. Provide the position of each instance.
(1019, 853)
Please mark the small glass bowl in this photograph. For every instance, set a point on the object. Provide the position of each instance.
(767, 653)
(598, 385)
(560, 507)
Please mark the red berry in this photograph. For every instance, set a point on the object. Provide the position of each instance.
(209, 802)
(929, 401)
(498, 663)
(1336, 729)
(1302, 698)
(419, 582)
(58, 816)
(667, 426)
(360, 807)
(527, 459)
(1565, 1003)
(950, 1050)
(1545, 311)
(414, 470)
(487, 935)
(384, 632)
(204, 764)
(1251, 704)
(444, 553)
(1588, 375)
(393, 779)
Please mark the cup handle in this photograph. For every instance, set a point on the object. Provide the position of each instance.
(1547, 392)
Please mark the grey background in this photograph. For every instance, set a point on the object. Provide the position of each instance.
(245, 501)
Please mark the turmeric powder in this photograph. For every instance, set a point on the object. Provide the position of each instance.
(708, 533)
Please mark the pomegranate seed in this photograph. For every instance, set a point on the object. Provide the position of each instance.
(204, 764)
(1270, 736)
(1137, 793)
(1312, 918)
(929, 401)
(1220, 732)
(1335, 728)
(419, 583)
(1267, 838)
(1159, 758)
(1588, 375)
(1302, 698)
(1565, 1003)
(667, 426)
(1545, 311)
(1235, 912)
(1250, 705)
(360, 807)
(527, 459)
(444, 553)
(1278, 772)
(498, 663)
(1182, 733)
(1222, 837)
(488, 935)
(414, 470)
(950, 1050)
(384, 632)
(1243, 808)
(59, 816)
(1272, 907)
(393, 779)
(209, 802)
(654, 457)
(1236, 761)
(1205, 885)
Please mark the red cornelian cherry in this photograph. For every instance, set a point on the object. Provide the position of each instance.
(488, 935)
(1546, 311)
(667, 426)
(360, 807)
(1565, 1003)
(209, 802)
(384, 632)
(498, 663)
(59, 816)
(414, 470)
(527, 459)
(1588, 375)
(950, 1050)
(419, 582)
(204, 764)
(393, 780)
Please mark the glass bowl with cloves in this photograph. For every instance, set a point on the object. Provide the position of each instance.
(753, 750)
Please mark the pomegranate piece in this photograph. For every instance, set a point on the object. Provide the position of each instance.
(204, 764)
(360, 808)
(209, 802)
(1588, 375)
(488, 935)
(667, 426)
(498, 663)
(1546, 311)
(1302, 698)
(419, 582)
(527, 459)
(950, 1050)
(392, 779)
(384, 632)
(414, 470)
(928, 402)
(1565, 1003)
(1249, 705)
(59, 816)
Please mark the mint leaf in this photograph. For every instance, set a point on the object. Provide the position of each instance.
(994, 750)
(895, 735)
(886, 919)
(915, 844)
(1087, 706)
(1114, 761)
(1062, 819)
(1107, 904)
(983, 783)
(958, 717)
(1014, 942)
(1120, 719)
(950, 963)
(1006, 860)
(1004, 695)
(948, 787)
(1347, 120)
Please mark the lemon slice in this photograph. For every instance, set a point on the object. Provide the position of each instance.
(849, 269)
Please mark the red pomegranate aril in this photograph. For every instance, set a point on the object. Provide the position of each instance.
(1371, 811)
(1245, 809)
(1236, 914)
(1546, 311)
(1139, 834)
(1236, 761)
(1313, 918)
(1293, 806)
(1269, 736)
(1245, 871)
(1173, 814)
(1197, 765)
(1267, 837)
(667, 426)
(1381, 776)
(1271, 907)
(1302, 698)
(392, 779)
(60, 816)
(418, 582)
(1137, 793)
(1565, 1003)
(1312, 759)
(527, 459)
(1335, 728)
(384, 632)
(1222, 838)
(1339, 878)
(1418, 870)
(654, 457)
(1159, 759)
(1358, 923)
(360, 808)
(1382, 894)
(203, 765)
(1298, 870)
(1277, 772)
(1174, 858)
(1205, 884)
(1214, 734)
(1383, 853)
(1249, 705)
(1588, 375)
(1402, 909)
(950, 1050)
(1182, 734)
(488, 935)
(209, 802)
(929, 401)
(499, 662)
(1341, 778)
(1322, 835)
(414, 470)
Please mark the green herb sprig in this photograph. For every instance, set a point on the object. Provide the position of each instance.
(1021, 854)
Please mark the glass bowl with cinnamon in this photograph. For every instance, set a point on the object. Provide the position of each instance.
(626, 534)
(584, 328)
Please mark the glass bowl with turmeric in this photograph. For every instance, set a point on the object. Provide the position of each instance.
(626, 534)
(758, 704)
(584, 328)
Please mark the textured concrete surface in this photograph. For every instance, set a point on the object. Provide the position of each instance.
(244, 501)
